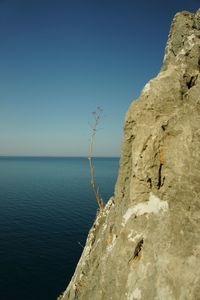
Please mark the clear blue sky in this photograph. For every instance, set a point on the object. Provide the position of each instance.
(60, 59)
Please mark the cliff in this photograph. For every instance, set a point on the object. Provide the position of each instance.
(146, 242)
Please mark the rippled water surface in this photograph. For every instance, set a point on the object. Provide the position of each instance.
(46, 209)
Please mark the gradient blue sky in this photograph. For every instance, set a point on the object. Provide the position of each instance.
(61, 59)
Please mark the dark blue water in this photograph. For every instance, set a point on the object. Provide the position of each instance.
(47, 207)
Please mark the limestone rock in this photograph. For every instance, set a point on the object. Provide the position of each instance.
(146, 242)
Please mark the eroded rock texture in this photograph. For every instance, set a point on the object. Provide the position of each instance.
(146, 242)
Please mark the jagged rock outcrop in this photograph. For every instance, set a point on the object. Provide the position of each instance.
(146, 242)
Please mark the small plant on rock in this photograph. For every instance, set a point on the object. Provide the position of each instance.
(97, 118)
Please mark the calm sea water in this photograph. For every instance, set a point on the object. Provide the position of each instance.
(47, 207)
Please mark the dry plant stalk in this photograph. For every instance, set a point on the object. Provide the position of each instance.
(97, 118)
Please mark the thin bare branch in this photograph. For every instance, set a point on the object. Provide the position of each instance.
(97, 118)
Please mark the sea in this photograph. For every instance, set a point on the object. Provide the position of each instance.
(47, 207)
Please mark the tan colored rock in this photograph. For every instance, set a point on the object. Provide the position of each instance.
(146, 243)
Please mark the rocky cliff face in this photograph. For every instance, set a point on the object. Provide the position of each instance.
(146, 242)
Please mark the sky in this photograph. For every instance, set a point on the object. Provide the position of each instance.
(61, 59)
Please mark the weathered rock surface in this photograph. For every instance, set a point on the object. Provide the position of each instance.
(146, 242)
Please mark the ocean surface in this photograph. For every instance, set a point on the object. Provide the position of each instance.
(47, 206)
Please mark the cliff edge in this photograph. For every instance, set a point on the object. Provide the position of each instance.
(146, 242)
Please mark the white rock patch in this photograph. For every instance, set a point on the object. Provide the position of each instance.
(154, 205)
(191, 40)
(111, 246)
(146, 88)
(104, 227)
(135, 295)
(133, 238)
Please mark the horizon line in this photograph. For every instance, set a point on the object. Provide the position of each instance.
(58, 156)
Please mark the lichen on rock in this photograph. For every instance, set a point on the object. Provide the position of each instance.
(145, 244)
